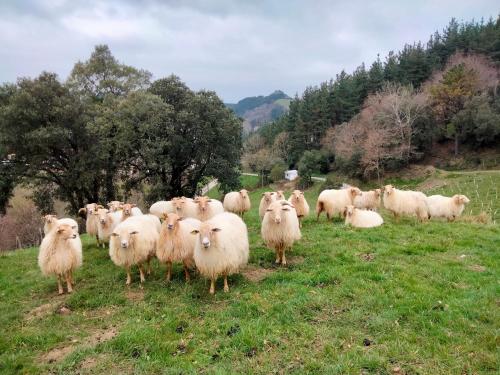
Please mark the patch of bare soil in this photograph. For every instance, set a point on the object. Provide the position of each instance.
(431, 183)
(92, 365)
(57, 354)
(368, 257)
(41, 311)
(477, 268)
(256, 274)
(135, 295)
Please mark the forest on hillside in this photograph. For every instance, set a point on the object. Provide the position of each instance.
(393, 113)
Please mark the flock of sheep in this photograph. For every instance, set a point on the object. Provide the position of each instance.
(211, 235)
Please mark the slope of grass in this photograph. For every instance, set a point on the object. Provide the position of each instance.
(404, 298)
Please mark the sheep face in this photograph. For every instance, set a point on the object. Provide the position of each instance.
(354, 191)
(207, 234)
(115, 205)
(460, 199)
(178, 204)
(202, 203)
(244, 194)
(127, 209)
(275, 211)
(388, 189)
(378, 192)
(268, 196)
(349, 211)
(66, 231)
(297, 195)
(125, 238)
(171, 221)
(49, 219)
(102, 215)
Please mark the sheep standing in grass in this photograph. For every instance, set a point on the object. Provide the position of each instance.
(237, 202)
(133, 242)
(159, 209)
(115, 206)
(107, 221)
(362, 218)
(298, 201)
(267, 198)
(335, 201)
(91, 220)
(221, 247)
(130, 209)
(185, 207)
(208, 208)
(280, 228)
(369, 200)
(405, 202)
(176, 243)
(60, 254)
(449, 208)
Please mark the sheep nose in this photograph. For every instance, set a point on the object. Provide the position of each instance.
(124, 244)
(73, 236)
(170, 226)
(206, 243)
(277, 220)
(102, 221)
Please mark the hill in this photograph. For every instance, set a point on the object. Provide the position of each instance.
(404, 298)
(257, 110)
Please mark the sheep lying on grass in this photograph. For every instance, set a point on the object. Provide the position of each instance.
(176, 243)
(91, 220)
(107, 222)
(298, 201)
(207, 208)
(449, 208)
(405, 202)
(362, 218)
(369, 200)
(161, 208)
(280, 228)
(334, 201)
(221, 247)
(267, 198)
(133, 242)
(237, 202)
(60, 254)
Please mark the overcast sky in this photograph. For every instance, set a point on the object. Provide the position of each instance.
(237, 48)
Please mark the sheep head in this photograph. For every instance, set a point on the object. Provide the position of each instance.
(49, 219)
(127, 208)
(202, 203)
(297, 195)
(275, 210)
(66, 231)
(348, 211)
(207, 234)
(354, 192)
(125, 237)
(115, 205)
(378, 192)
(244, 194)
(268, 196)
(388, 189)
(460, 199)
(102, 215)
(171, 221)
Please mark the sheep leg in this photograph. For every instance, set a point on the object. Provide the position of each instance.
(169, 271)
(129, 277)
(59, 285)
(283, 258)
(68, 282)
(149, 266)
(141, 272)
(186, 272)
(226, 286)
(212, 286)
(277, 261)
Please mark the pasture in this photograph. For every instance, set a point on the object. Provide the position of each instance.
(405, 298)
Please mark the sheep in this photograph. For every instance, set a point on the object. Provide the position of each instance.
(162, 207)
(176, 244)
(115, 206)
(130, 209)
(221, 247)
(267, 198)
(60, 254)
(51, 222)
(280, 195)
(91, 220)
(133, 242)
(449, 208)
(369, 200)
(334, 201)
(298, 201)
(280, 228)
(237, 202)
(362, 218)
(107, 221)
(405, 202)
(185, 207)
(208, 208)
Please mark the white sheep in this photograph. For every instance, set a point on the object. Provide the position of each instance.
(208, 208)
(237, 202)
(107, 221)
(405, 202)
(130, 209)
(280, 228)
(221, 247)
(362, 218)
(115, 206)
(267, 198)
(176, 243)
(159, 209)
(369, 200)
(298, 200)
(449, 208)
(185, 207)
(133, 242)
(334, 201)
(60, 254)
(91, 220)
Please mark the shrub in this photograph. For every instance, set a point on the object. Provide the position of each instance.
(277, 172)
(20, 227)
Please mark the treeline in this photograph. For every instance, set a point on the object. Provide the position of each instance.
(456, 105)
(107, 131)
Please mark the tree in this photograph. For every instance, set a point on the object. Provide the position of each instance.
(309, 163)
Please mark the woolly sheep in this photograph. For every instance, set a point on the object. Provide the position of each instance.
(267, 198)
(405, 202)
(221, 247)
(208, 208)
(369, 200)
(176, 243)
(115, 206)
(133, 242)
(298, 201)
(159, 209)
(334, 201)
(185, 207)
(362, 218)
(107, 221)
(130, 209)
(280, 228)
(449, 208)
(237, 202)
(60, 254)
(91, 220)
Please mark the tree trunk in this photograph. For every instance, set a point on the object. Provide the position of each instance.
(456, 144)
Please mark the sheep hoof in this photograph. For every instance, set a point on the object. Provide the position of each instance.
(226, 289)
(60, 292)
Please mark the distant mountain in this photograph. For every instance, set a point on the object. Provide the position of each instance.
(257, 110)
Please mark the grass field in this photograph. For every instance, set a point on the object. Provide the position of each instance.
(405, 298)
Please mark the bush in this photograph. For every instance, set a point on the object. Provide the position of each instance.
(20, 227)
(309, 163)
(278, 172)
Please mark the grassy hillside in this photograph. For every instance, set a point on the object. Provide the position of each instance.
(405, 298)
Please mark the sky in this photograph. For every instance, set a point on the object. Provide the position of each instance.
(236, 48)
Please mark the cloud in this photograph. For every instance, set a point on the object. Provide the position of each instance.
(237, 48)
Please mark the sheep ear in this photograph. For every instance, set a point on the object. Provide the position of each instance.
(216, 229)
(134, 232)
(209, 201)
(285, 209)
(59, 230)
(99, 206)
(180, 218)
(195, 231)
(164, 216)
(268, 210)
(82, 210)
(114, 235)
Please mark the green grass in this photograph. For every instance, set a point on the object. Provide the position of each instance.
(424, 295)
